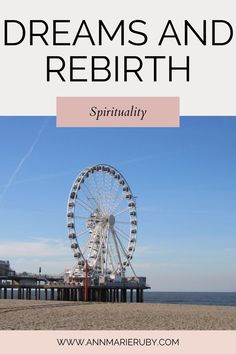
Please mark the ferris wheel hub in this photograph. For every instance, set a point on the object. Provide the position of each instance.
(111, 220)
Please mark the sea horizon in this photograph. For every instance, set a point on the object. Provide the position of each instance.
(180, 297)
(217, 298)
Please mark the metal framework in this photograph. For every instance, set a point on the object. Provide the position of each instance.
(102, 223)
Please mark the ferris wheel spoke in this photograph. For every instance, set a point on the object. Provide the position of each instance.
(89, 199)
(121, 211)
(122, 233)
(116, 195)
(99, 194)
(123, 222)
(121, 245)
(106, 247)
(111, 257)
(114, 203)
(113, 183)
(109, 192)
(108, 199)
(103, 178)
(111, 180)
(126, 255)
(105, 192)
(92, 196)
(87, 218)
(80, 233)
(81, 217)
(85, 205)
(95, 185)
(95, 182)
(114, 258)
(115, 188)
(116, 246)
(119, 201)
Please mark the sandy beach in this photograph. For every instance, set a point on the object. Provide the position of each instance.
(60, 315)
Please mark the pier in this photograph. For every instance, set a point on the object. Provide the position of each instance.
(66, 292)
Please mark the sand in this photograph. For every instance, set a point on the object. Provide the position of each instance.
(61, 315)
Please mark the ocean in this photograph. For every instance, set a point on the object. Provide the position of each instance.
(192, 298)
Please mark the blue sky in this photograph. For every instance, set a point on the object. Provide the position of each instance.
(184, 179)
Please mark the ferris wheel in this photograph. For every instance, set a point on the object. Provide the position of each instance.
(102, 222)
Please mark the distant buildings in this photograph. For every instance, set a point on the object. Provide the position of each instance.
(5, 269)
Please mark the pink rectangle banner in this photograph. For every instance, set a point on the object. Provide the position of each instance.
(125, 342)
(117, 112)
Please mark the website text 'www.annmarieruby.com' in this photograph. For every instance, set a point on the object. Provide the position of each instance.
(135, 342)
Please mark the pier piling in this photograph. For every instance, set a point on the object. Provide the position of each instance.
(67, 292)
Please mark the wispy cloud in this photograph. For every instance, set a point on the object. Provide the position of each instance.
(45, 177)
(22, 161)
(36, 248)
(53, 255)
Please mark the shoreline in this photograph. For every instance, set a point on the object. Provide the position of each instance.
(64, 315)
